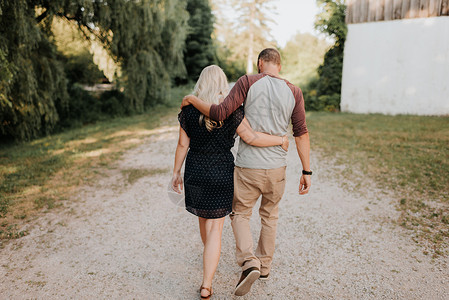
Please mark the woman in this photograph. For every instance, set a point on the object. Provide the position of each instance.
(208, 177)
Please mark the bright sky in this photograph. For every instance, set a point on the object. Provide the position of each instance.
(293, 16)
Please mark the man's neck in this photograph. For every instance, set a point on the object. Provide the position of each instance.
(275, 74)
(271, 70)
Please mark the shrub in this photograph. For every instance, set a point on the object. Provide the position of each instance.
(114, 103)
(81, 68)
(82, 108)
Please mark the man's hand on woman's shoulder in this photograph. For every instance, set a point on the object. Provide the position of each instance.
(187, 100)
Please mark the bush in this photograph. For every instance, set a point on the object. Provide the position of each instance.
(85, 107)
(81, 68)
(114, 103)
(331, 102)
(82, 108)
(318, 102)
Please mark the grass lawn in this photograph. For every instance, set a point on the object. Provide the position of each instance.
(405, 154)
(408, 155)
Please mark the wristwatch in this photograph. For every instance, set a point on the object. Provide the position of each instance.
(304, 172)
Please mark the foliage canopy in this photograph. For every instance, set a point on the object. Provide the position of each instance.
(247, 33)
(301, 57)
(146, 38)
(324, 92)
(199, 50)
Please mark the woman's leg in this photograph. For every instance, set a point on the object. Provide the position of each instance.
(202, 223)
(212, 249)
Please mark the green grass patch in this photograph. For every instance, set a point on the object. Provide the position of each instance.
(39, 174)
(408, 155)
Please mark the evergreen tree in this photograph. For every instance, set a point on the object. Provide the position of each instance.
(325, 92)
(199, 50)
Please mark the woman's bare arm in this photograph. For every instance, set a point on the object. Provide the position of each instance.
(180, 155)
(260, 139)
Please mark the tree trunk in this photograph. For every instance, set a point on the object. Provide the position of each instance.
(249, 61)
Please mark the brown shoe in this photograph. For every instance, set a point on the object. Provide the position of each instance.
(246, 281)
(264, 277)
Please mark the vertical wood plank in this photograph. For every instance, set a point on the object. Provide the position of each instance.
(397, 9)
(351, 11)
(380, 10)
(414, 9)
(434, 8)
(363, 11)
(445, 8)
(348, 18)
(356, 11)
(388, 10)
(424, 8)
(405, 10)
(372, 7)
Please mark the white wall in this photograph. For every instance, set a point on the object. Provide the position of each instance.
(397, 67)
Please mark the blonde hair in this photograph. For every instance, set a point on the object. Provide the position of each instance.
(210, 87)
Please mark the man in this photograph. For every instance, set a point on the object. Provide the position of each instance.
(269, 104)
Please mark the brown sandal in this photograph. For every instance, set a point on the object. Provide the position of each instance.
(207, 289)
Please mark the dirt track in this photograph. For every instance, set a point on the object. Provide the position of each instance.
(123, 241)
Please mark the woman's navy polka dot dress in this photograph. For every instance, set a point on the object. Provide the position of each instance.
(209, 169)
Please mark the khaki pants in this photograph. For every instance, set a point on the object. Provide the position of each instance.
(249, 184)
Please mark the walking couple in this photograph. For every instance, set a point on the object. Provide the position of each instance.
(214, 187)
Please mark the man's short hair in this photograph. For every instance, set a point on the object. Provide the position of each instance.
(270, 55)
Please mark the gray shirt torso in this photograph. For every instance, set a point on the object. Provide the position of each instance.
(268, 107)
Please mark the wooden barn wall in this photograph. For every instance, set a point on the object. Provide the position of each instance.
(360, 11)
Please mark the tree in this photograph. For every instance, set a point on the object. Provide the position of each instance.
(233, 68)
(199, 51)
(301, 57)
(33, 81)
(325, 92)
(146, 38)
(250, 32)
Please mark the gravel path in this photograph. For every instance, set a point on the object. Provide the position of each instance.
(117, 240)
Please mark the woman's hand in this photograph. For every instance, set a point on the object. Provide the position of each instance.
(285, 143)
(176, 182)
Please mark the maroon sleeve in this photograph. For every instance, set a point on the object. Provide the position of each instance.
(299, 113)
(235, 99)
